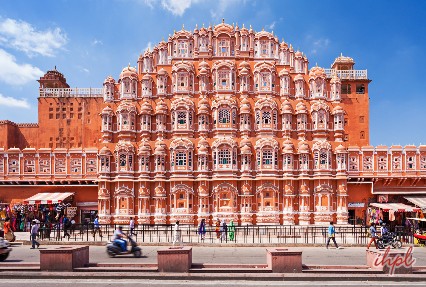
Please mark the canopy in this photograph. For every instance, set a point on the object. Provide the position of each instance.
(400, 207)
(418, 219)
(48, 198)
(418, 200)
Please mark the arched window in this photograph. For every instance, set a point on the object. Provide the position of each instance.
(224, 116)
(303, 162)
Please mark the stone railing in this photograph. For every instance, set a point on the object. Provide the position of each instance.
(70, 92)
(347, 74)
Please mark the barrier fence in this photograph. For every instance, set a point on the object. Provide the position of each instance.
(257, 234)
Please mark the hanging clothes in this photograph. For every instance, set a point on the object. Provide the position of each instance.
(391, 215)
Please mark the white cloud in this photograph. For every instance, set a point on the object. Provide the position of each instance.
(12, 102)
(97, 42)
(222, 6)
(16, 74)
(272, 25)
(22, 36)
(176, 7)
(148, 46)
(86, 70)
(319, 45)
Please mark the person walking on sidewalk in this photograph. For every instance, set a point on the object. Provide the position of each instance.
(177, 235)
(96, 227)
(217, 228)
(66, 225)
(373, 234)
(231, 230)
(131, 225)
(202, 229)
(34, 233)
(331, 235)
(223, 231)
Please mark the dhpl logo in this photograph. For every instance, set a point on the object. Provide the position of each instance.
(396, 261)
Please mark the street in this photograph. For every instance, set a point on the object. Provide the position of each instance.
(226, 255)
(161, 283)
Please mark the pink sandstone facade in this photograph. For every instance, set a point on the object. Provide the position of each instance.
(218, 122)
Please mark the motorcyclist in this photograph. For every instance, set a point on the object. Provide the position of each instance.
(118, 238)
(384, 230)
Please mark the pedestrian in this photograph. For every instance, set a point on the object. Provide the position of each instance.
(177, 235)
(96, 227)
(66, 225)
(231, 230)
(217, 229)
(73, 225)
(331, 235)
(202, 229)
(373, 234)
(223, 230)
(131, 225)
(34, 233)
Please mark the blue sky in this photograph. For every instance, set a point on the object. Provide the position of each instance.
(89, 40)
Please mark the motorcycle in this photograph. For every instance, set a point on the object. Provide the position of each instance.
(4, 249)
(389, 239)
(114, 249)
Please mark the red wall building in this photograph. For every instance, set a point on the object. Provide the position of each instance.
(218, 122)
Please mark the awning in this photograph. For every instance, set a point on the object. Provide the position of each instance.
(400, 207)
(419, 201)
(48, 198)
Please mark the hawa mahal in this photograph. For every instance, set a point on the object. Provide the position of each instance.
(219, 122)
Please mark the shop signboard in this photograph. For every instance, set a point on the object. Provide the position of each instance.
(356, 204)
(71, 211)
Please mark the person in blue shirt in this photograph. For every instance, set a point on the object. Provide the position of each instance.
(332, 235)
(373, 234)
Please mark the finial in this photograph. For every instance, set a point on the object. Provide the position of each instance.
(341, 54)
(196, 26)
(272, 32)
(174, 31)
(203, 25)
(316, 64)
(223, 20)
(243, 25)
(250, 26)
(183, 27)
(55, 67)
(263, 29)
(128, 66)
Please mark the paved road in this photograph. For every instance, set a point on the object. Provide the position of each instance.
(165, 283)
(228, 255)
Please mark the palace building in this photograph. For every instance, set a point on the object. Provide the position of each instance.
(219, 122)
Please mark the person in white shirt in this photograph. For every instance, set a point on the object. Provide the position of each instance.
(177, 235)
(131, 225)
(34, 233)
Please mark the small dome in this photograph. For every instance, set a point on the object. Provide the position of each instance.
(299, 77)
(143, 191)
(245, 150)
(298, 54)
(203, 190)
(283, 72)
(246, 188)
(107, 110)
(288, 146)
(159, 190)
(245, 106)
(244, 71)
(203, 150)
(203, 106)
(144, 147)
(147, 77)
(146, 108)
(338, 109)
(301, 108)
(162, 72)
(204, 65)
(161, 107)
(283, 45)
(303, 147)
(160, 147)
(105, 151)
(129, 72)
(317, 72)
(109, 80)
(203, 71)
(286, 107)
(340, 149)
(244, 64)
